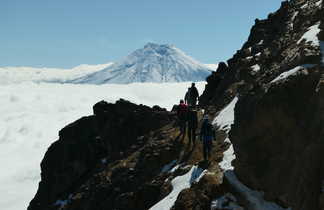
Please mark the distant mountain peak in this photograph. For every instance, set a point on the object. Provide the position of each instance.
(152, 63)
(161, 49)
(154, 45)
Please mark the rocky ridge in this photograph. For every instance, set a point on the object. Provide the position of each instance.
(96, 164)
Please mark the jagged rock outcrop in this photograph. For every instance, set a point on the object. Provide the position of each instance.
(216, 84)
(113, 133)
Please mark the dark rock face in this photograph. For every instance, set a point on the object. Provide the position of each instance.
(217, 83)
(114, 132)
(278, 129)
(278, 141)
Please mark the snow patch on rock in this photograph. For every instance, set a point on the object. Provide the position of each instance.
(254, 198)
(258, 54)
(225, 118)
(256, 68)
(291, 72)
(286, 74)
(179, 183)
(294, 15)
(319, 3)
(311, 35)
(168, 167)
(228, 157)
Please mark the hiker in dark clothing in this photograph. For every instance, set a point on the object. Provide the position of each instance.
(182, 113)
(192, 125)
(207, 135)
(192, 95)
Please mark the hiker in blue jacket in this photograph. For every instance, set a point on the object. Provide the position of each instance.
(207, 135)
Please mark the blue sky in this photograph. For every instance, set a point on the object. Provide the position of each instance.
(66, 33)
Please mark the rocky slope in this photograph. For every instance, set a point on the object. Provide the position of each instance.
(137, 160)
(278, 125)
(91, 143)
(122, 157)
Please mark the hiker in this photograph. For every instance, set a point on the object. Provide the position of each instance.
(207, 135)
(192, 95)
(192, 125)
(182, 113)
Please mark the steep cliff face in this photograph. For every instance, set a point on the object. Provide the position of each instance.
(277, 138)
(278, 129)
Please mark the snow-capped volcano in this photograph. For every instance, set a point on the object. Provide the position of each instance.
(153, 63)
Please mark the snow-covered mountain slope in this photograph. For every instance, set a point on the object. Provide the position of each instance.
(10, 75)
(153, 63)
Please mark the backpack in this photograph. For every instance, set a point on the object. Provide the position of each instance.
(193, 93)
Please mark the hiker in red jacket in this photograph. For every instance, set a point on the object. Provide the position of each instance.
(182, 113)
